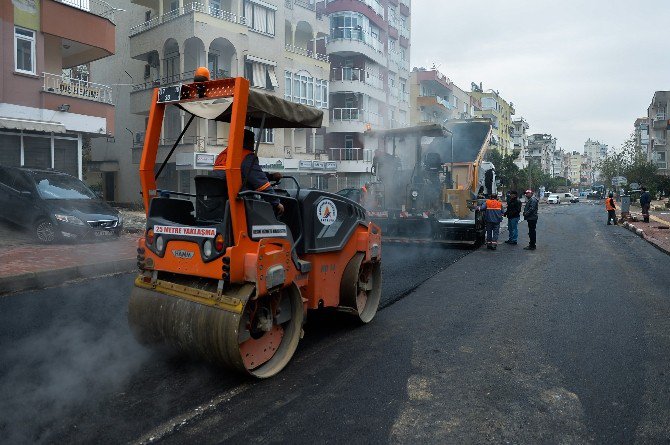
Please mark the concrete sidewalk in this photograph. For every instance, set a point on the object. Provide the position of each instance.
(34, 266)
(656, 231)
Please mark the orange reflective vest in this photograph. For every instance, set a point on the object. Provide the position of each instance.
(220, 162)
(609, 204)
(493, 204)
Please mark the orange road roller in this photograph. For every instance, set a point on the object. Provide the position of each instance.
(223, 275)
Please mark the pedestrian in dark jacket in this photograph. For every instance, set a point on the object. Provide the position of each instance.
(513, 213)
(610, 206)
(530, 216)
(493, 216)
(645, 203)
(253, 176)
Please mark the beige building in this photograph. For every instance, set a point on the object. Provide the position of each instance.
(658, 114)
(280, 48)
(434, 98)
(50, 104)
(580, 169)
(494, 107)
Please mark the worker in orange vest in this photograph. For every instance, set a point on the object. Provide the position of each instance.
(610, 206)
(253, 176)
(493, 217)
(364, 193)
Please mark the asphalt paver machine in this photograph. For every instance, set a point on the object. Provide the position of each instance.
(220, 276)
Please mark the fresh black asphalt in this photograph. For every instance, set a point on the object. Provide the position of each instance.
(566, 344)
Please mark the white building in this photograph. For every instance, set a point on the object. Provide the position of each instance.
(280, 48)
(520, 139)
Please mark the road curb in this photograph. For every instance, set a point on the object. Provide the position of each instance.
(640, 233)
(46, 278)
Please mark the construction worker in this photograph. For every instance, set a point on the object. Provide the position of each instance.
(365, 190)
(253, 176)
(610, 206)
(645, 203)
(530, 216)
(493, 217)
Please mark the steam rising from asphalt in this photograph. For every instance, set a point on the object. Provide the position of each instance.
(59, 368)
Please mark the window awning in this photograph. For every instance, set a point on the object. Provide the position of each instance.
(9, 123)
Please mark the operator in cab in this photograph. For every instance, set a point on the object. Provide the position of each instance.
(253, 176)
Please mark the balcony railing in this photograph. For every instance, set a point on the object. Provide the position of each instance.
(308, 4)
(354, 114)
(96, 7)
(67, 86)
(660, 116)
(188, 9)
(350, 154)
(307, 53)
(176, 78)
(358, 75)
(356, 35)
(659, 142)
(375, 6)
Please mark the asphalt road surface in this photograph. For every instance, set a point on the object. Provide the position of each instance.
(70, 370)
(566, 344)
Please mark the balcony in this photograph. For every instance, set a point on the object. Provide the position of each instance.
(185, 10)
(350, 154)
(307, 53)
(66, 86)
(659, 142)
(433, 80)
(358, 80)
(434, 103)
(353, 120)
(352, 160)
(81, 105)
(91, 39)
(350, 43)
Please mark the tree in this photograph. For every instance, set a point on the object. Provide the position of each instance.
(631, 163)
(506, 170)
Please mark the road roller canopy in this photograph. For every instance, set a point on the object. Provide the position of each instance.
(278, 113)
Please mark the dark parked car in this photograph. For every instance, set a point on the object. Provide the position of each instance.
(55, 206)
(352, 193)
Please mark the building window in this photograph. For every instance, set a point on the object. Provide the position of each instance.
(261, 75)
(349, 25)
(304, 89)
(259, 18)
(24, 57)
(267, 135)
(321, 96)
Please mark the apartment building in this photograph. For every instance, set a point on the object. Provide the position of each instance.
(369, 48)
(580, 169)
(520, 139)
(658, 118)
(500, 111)
(280, 48)
(557, 168)
(50, 104)
(434, 98)
(541, 148)
(597, 152)
(641, 135)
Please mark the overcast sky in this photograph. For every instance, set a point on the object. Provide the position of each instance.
(575, 69)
